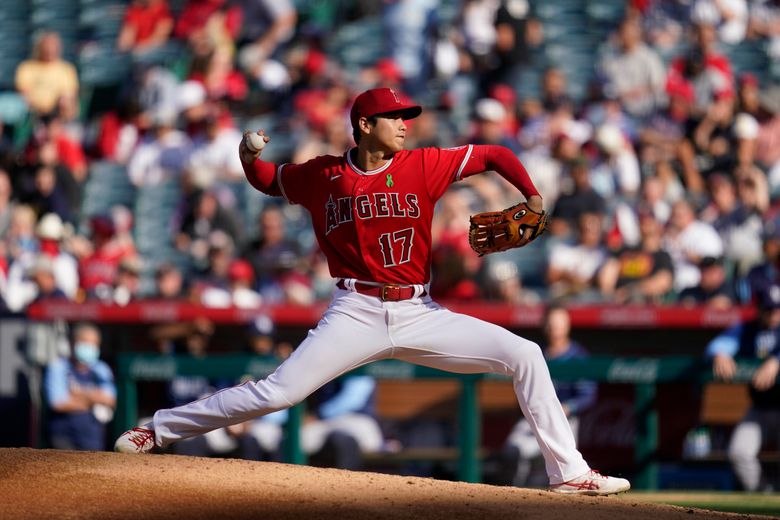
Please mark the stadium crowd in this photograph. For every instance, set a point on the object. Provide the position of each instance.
(660, 164)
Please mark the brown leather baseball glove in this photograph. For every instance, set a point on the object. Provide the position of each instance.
(494, 231)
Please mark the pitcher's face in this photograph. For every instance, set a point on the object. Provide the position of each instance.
(389, 132)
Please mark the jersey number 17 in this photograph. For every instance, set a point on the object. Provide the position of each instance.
(396, 246)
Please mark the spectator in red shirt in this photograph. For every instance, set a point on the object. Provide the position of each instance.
(208, 24)
(99, 268)
(219, 78)
(64, 149)
(708, 73)
(147, 26)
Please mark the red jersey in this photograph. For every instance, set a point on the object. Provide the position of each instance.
(146, 18)
(375, 225)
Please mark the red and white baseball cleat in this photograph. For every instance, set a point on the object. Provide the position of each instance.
(137, 440)
(592, 483)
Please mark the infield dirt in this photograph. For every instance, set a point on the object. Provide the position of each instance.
(65, 484)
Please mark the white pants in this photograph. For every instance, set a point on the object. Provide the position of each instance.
(746, 442)
(358, 329)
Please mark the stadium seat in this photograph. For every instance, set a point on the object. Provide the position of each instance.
(107, 186)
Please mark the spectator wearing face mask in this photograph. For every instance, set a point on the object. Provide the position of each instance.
(80, 394)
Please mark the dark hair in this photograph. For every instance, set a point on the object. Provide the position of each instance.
(356, 131)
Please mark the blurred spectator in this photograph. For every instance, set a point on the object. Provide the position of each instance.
(320, 106)
(518, 34)
(169, 282)
(653, 199)
(119, 132)
(219, 78)
(20, 237)
(664, 21)
(212, 270)
(332, 140)
(544, 127)
(639, 274)
(110, 243)
(199, 224)
(207, 25)
(7, 205)
(455, 268)
(478, 30)
(214, 163)
(730, 17)
(739, 225)
(52, 146)
(503, 283)
(555, 88)
(157, 91)
(634, 71)
(616, 173)
(578, 198)
(269, 25)
(688, 240)
(163, 155)
(521, 454)
(767, 273)
(767, 151)
(764, 21)
(663, 144)
(238, 292)
(713, 138)
(550, 166)
(43, 271)
(146, 27)
(125, 286)
(276, 261)
(572, 267)
(713, 289)
(81, 395)
(708, 73)
(193, 108)
(491, 124)
(46, 79)
(45, 196)
(756, 339)
(409, 25)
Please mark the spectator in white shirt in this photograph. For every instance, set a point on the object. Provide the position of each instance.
(162, 156)
(635, 71)
(688, 240)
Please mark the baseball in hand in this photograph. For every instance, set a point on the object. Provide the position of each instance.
(255, 142)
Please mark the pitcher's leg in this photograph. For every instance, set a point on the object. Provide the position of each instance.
(338, 344)
(459, 343)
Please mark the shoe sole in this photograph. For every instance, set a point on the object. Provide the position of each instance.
(590, 492)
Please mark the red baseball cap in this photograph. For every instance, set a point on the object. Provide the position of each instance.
(381, 101)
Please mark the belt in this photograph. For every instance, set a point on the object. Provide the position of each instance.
(388, 292)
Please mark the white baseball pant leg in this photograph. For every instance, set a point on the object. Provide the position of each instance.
(350, 334)
(746, 442)
(358, 329)
(438, 338)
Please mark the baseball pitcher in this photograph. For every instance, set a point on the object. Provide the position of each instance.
(371, 210)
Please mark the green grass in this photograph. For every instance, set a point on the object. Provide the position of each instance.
(748, 503)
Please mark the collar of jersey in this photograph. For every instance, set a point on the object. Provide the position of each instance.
(369, 172)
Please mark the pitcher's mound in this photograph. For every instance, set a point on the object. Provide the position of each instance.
(66, 484)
